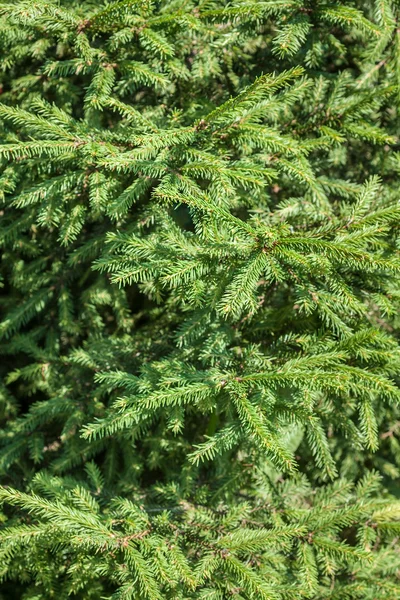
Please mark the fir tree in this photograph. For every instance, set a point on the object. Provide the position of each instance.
(200, 300)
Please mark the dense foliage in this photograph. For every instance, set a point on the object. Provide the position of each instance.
(200, 299)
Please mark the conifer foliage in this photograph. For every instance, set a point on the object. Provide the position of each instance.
(200, 298)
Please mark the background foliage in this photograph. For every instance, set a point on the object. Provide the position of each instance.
(200, 301)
